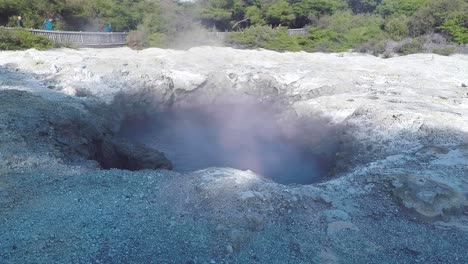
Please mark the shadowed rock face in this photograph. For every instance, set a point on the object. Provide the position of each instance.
(70, 132)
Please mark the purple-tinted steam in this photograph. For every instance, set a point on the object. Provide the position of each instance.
(241, 135)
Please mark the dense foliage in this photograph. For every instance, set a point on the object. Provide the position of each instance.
(333, 25)
(124, 15)
(21, 39)
(376, 26)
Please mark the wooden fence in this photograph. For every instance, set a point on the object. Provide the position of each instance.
(83, 39)
(298, 31)
(213, 35)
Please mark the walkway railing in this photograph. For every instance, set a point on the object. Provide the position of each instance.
(298, 31)
(217, 35)
(83, 39)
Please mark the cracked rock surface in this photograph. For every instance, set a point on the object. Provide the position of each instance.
(399, 193)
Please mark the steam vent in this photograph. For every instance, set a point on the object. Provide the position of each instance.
(217, 155)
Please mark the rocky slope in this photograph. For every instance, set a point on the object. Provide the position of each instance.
(398, 193)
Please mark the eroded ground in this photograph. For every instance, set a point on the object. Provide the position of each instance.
(398, 193)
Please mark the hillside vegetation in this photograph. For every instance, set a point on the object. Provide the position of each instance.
(22, 39)
(374, 26)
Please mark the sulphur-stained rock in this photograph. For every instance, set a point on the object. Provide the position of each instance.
(426, 196)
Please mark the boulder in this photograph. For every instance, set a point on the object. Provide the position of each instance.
(426, 196)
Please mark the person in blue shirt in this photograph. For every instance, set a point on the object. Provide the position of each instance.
(49, 24)
(107, 28)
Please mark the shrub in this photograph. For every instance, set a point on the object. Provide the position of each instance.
(445, 51)
(409, 46)
(157, 39)
(430, 43)
(397, 27)
(68, 45)
(20, 39)
(433, 42)
(387, 55)
(265, 37)
(137, 40)
(374, 47)
(438, 44)
(142, 38)
(344, 30)
(462, 49)
(324, 40)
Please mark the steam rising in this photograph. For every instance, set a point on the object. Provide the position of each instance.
(241, 135)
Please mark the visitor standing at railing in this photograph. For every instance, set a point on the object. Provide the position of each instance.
(19, 22)
(49, 24)
(107, 28)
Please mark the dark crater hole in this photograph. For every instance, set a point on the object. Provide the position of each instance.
(244, 136)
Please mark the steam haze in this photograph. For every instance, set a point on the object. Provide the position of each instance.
(241, 135)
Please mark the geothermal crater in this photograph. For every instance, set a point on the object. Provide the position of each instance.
(241, 134)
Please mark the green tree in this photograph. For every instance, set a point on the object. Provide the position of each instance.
(217, 13)
(430, 17)
(255, 15)
(400, 7)
(457, 27)
(363, 6)
(310, 10)
(397, 27)
(280, 13)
